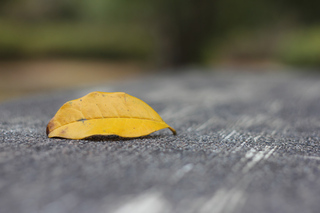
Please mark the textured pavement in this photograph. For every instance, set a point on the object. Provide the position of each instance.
(246, 143)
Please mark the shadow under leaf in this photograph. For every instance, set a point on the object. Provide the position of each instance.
(116, 138)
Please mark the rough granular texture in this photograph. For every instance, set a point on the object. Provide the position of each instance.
(246, 143)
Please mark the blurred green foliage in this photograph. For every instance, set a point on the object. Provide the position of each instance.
(301, 48)
(165, 32)
(72, 40)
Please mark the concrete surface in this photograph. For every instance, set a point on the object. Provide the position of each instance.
(246, 143)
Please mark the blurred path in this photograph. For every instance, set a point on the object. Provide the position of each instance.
(246, 143)
(18, 78)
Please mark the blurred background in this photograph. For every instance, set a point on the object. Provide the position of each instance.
(58, 44)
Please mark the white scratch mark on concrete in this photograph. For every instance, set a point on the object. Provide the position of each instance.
(216, 203)
(250, 153)
(256, 138)
(64, 203)
(238, 148)
(270, 153)
(150, 202)
(229, 201)
(224, 201)
(310, 157)
(255, 158)
(274, 132)
(221, 133)
(237, 200)
(207, 123)
(177, 113)
(178, 175)
(228, 136)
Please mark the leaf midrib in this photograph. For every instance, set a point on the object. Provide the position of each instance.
(110, 118)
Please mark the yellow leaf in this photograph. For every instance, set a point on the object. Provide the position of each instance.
(103, 113)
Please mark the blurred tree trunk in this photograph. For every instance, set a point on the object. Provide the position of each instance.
(183, 28)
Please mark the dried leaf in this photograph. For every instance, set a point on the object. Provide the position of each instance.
(102, 113)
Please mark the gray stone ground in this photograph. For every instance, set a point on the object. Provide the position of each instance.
(246, 143)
